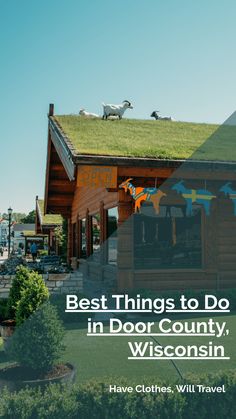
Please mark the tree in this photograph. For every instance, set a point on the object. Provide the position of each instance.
(30, 218)
(4, 216)
(32, 297)
(38, 342)
(61, 234)
(18, 216)
(20, 283)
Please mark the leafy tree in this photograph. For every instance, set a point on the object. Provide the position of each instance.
(20, 282)
(4, 216)
(18, 216)
(61, 234)
(31, 297)
(30, 218)
(38, 342)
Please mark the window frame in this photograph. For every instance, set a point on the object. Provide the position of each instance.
(107, 237)
(80, 236)
(203, 252)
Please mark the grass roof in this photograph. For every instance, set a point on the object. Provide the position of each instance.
(28, 233)
(148, 138)
(48, 219)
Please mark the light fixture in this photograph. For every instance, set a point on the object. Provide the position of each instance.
(9, 230)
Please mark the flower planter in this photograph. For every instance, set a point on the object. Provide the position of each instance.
(12, 379)
(7, 328)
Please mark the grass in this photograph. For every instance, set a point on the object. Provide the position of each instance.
(49, 219)
(146, 138)
(105, 358)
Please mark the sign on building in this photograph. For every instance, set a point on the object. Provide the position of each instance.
(97, 176)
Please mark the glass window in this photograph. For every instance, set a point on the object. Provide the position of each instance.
(96, 242)
(171, 240)
(83, 244)
(112, 222)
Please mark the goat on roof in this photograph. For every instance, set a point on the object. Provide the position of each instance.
(116, 110)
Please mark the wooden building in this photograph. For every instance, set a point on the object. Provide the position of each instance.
(87, 160)
(30, 237)
(45, 224)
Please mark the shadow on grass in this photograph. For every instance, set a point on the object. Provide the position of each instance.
(4, 357)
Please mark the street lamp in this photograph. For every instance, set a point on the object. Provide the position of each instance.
(9, 230)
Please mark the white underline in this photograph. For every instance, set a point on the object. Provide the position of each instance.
(108, 311)
(197, 311)
(145, 311)
(150, 334)
(156, 358)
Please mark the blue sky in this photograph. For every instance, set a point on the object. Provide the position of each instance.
(177, 56)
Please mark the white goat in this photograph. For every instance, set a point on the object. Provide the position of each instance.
(83, 112)
(155, 115)
(116, 110)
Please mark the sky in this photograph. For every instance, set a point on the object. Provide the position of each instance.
(176, 56)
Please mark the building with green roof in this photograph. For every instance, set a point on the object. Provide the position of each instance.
(98, 169)
(46, 224)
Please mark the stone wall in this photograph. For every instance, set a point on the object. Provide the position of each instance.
(56, 283)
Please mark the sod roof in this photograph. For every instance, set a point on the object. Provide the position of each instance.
(28, 233)
(148, 138)
(48, 219)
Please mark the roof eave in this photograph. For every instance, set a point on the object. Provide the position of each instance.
(38, 211)
(154, 163)
(125, 161)
(63, 147)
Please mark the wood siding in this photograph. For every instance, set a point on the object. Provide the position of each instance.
(91, 198)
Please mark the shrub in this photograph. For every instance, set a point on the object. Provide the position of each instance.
(18, 285)
(42, 252)
(55, 403)
(93, 400)
(37, 343)
(32, 297)
(211, 405)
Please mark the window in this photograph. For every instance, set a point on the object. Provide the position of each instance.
(170, 240)
(96, 241)
(112, 222)
(83, 238)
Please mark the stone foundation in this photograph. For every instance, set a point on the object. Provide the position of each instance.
(57, 283)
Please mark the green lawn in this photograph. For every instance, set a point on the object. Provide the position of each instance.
(148, 138)
(101, 357)
(105, 357)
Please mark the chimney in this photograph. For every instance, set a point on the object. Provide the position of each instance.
(51, 109)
